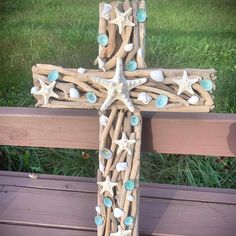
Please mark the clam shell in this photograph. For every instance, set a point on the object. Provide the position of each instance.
(34, 89)
(81, 70)
(144, 98)
(103, 120)
(106, 11)
(118, 212)
(121, 166)
(98, 209)
(194, 100)
(74, 93)
(129, 47)
(157, 75)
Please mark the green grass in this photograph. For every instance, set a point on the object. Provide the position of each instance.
(180, 33)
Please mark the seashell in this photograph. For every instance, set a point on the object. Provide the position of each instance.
(206, 84)
(103, 120)
(101, 167)
(129, 185)
(194, 100)
(134, 120)
(101, 64)
(98, 220)
(161, 101)
(121, 166)
(131, 66)
(91, 97)
(118, 212)
(98, 209)
(106, 153)
(130, 198)
(129, 220)
(140, 52)
(102, 39)
(141, 15)
(107, 202)
(74, 93)
(34, 89)
(157, 75)
(81, 70)
(53, 75)
(129, 47)
(106, 11)
(145, 98)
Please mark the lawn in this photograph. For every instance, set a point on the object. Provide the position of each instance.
(180, 33)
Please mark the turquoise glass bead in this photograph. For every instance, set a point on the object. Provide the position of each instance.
(134, 120)
(107, 202)
(102, 39)
(141, 15)
(129, 185)
(98, 220)
(161, 101)
(206, 84)
(129, 220)
(106, 153)
(131, 66)
(53, 75)
(91, 97)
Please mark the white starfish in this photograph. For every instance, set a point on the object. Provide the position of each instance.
(46, 91)
(122, 19)
(107, 186)
(121, 232)
(124, 144)
(185, 84)
(118, 87)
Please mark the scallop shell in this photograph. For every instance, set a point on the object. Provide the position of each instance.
(81, 70)
(118, 212)
(101, 64)
(130, 198)
(34, 89)
(74, 93)
(144, 98)
(106, 11)
(194, 100)
(103, 120)
(121, 166)
(157, 75)
(129, 47)
(98, 209)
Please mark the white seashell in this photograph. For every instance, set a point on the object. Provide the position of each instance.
(81, 70)
(129, 47)
(34, 89)
(157, 75)
(130, 198)
(140, 52)
(101, 167)
(121, 166)
(103, 120)
(194, 100)
(118, 212)
(101, 64)
(145, 98)
(106, 11)
(98, 209)
(74, 93)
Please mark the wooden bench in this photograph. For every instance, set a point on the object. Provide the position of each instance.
(64, 206)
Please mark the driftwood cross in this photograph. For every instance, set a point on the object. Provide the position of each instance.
(121, 89)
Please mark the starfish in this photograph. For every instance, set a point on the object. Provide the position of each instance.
(124, 144)
(118, 87)
(185, 84)
(107, 186)
(46, 91)
(122, 19)
(121, 232)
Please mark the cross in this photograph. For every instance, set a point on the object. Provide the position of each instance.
(121, 89)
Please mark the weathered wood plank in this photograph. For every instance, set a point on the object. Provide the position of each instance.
(160, 214)
(200, 134)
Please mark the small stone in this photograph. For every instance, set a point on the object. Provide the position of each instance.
(134, 120)
(53, 75)
(91, 97)
(102, 39)
(129, 220)
(194, 100)
(98, 209)
(98, 220)
(157, 76)
(161, 101)
(129, 185)
(144, 98)
(107, 202)
(34, 89)
(141, 15)
(74, 93)
(130, 198)
(129, 47)
(106, 153)
(101, 64)
(121, 166)
(103, 120)
(131, 66)
(118, 212)
(81, 70)
(206, 84)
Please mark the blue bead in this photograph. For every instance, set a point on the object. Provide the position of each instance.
(161, 101)
(206, 84)
(91, 97)
(134, 120)
(129, 220)
(53, 75)
(107, 202)
(98, 220)
(131, 66)
(106, 153)
(129, 185)
(102, 39)
(141, 15)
